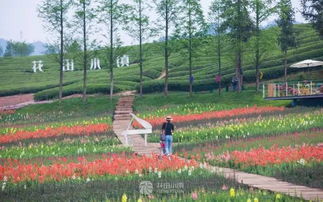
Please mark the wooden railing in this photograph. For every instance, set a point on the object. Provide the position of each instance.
(300, 88)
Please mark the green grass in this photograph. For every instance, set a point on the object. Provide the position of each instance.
(64, 149)
(153, 102)
(93, 105)
(69, 109)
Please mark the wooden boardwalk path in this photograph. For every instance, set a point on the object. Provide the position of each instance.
(121, 122)
(269, 183)
(136, 142)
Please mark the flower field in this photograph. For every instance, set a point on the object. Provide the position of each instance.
(282, 145)
(55, 132)
(56, 139)
(311, 137)
(115, 165)
(80, 159)
(260, 127)
(185, 184)
(34, 127)
(274, 156)
(294, 157)
(6, 112)
(284, 162)
(232, 195)
(65, 148)
(155, 121)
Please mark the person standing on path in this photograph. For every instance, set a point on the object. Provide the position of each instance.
(168, 130)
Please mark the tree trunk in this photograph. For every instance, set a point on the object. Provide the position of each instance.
(140, 46)
(111, 49)
(257, 78)
(219, 54)
(285, 65)
(84, 54)
(285, 75)
(239, 52)
(257, 45)
(61, 53)
(190, 48)
(166, 49)
(238, 67)
(257, 67)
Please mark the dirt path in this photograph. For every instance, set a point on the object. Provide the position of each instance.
(19, 101)
(16, 99)
(162, 75)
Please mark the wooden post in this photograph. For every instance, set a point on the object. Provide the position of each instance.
(263, 90)
(275, 90)
(298, 89)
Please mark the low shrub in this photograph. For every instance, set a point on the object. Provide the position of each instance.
(76, 89)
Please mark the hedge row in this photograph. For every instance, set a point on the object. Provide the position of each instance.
(29, 89)
(76, 89)
(208, 72)
(209, 83)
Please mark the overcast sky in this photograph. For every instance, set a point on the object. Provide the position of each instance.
(19, 20)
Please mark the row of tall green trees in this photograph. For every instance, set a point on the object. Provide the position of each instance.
(237, 21)
(16, 48)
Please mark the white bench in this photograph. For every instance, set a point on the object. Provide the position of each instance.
(147, 129)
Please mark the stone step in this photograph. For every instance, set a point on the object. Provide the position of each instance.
(123, 112)
(127, 97)
(118, 123)
(125, 101)
(121, 118)
(124, 109)
(124, 115)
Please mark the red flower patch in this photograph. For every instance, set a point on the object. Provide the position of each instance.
(55, 132)
(7, 111)
(114, 165)
(155, 121)
(274, 155)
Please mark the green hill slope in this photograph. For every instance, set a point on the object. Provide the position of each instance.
(16, 75)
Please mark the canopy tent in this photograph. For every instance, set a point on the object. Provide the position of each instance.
(307, 63)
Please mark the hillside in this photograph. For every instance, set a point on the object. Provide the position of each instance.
(16, 73)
